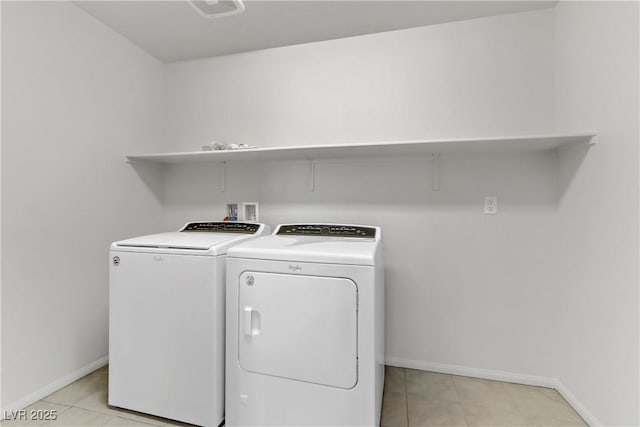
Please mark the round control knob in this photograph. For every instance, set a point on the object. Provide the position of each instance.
(325, 230)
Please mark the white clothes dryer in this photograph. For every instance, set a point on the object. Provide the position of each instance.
(166, 320)
(305, 327)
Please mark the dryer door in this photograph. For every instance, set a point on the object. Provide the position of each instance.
(299, 327)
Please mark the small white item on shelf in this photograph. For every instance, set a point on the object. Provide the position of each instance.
(216, 146)
(213, 145)
(239, 146)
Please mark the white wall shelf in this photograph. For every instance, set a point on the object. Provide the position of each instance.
(375, 149)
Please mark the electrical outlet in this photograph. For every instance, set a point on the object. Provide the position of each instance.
(490, 205)
(250, 211)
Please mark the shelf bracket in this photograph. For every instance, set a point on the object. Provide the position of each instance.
(223, 177)
(435, 171)
(312, 175)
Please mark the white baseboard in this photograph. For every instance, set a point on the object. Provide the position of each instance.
(586, 415)
(54, 386)
(473, 372)
(509, 377)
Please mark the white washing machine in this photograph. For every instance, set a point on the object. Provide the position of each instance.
(305, 327)
(166, 320)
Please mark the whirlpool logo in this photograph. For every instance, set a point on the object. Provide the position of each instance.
(295, 267)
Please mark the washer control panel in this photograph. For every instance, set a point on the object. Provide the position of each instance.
(328, 230)
(222, 227)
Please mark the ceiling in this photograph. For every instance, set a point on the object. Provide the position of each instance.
(173, 31)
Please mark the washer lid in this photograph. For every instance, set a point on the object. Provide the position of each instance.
(315, 247)
(206, 239)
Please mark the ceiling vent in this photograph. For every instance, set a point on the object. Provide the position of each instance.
(217, 8)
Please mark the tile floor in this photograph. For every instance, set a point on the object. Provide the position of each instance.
(411, 399)
(84, 403)
(419, 399)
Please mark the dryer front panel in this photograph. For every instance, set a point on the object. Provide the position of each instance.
(299, 327)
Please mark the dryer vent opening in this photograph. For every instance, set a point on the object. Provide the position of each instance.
(217, 8)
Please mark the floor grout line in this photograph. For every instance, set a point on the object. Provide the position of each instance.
(406, 394)
(138, 421)
(455, 390)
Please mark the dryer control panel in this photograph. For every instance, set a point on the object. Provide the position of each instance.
(327, 230)
(222, 227)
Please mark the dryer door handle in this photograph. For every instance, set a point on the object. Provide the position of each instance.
(248, 330)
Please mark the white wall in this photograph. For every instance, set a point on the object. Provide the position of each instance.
(487, 76)
(76, 97)
(596, 87)
(462, 288)
(0, 212)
